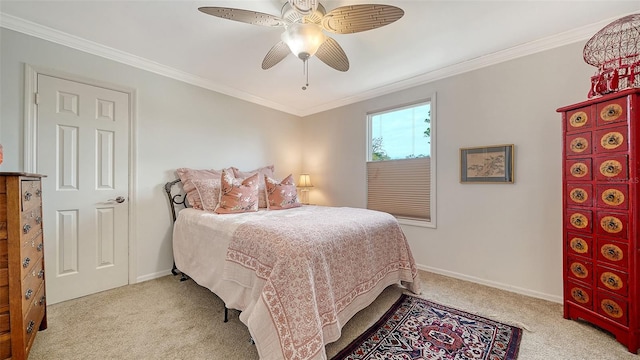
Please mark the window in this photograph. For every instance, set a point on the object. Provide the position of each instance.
(401, 162)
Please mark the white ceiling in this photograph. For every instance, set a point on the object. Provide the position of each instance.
(432, 40)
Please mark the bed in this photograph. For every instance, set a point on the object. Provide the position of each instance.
(297, 275)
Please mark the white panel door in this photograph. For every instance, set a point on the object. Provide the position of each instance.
(83, 147)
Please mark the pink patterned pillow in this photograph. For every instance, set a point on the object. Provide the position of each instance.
(237, 196)
(281, 195)
(265, 170)
(209, 192)
(187, 176)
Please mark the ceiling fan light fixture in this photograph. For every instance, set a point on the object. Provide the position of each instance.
(303, 39)
(304, 7)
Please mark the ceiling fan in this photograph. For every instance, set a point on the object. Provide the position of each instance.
(304, 22)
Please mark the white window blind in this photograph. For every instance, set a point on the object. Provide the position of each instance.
(400, 187)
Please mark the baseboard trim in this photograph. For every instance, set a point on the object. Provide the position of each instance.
(493, 284)
(152, 276)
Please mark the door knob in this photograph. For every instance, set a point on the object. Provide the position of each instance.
(119, 199)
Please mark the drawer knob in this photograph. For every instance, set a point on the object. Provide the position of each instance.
(27, 295)
(40, 274)
(39, 248)
(38, 220)
(25, 262)
(30, 327)
(26, 228)
(27, 196)
(43, 299)
(39, 193)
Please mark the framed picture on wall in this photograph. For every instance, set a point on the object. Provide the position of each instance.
(487, 164)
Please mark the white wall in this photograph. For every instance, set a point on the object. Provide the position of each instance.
(178, 125)
(507, 236)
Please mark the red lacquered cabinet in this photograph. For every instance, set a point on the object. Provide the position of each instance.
(601, 210)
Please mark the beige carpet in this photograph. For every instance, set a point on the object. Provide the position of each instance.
(168, 319)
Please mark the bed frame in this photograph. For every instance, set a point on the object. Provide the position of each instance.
(180, 199)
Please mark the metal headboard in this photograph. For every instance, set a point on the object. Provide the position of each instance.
(175, 200)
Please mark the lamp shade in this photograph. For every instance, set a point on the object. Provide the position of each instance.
(305, 181)
(303, 39)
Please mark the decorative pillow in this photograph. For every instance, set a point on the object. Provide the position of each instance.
(281, 195)
(266, 170)
(237, 196)
(208, 191)
(187, 176)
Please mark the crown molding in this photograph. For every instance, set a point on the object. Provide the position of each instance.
(561, 39)
(46, 33)
(565, 38)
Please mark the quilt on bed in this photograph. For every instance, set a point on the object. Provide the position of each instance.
(319, 266)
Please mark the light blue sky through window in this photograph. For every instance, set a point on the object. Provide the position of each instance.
(402, 131)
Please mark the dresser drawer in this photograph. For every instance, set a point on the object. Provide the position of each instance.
(580, 194)
(612, 224)
(30, 253)
(578, 144)
(579, 220)
(33, 319)
(612, 307)
(612, 168)
(30, 285)
(579, 120)
(579, 294)
(611, 112)
(611, 280)
(579, 170)
(4, 298)
(4, 323)
(31, 194)
(5, 346)
(612, 140)
(580, 270)
(613, 196)
(612, 252)
(4, 254)
(579, 244)
(31, 224)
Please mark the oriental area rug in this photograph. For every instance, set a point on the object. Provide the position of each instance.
(416, 328)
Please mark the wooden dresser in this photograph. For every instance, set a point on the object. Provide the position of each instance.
(601, 210)
(22, 290)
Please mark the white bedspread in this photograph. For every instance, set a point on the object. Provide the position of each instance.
(298, 275)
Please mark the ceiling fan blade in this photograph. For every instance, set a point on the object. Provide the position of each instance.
(245, 16)
(332, 54)
(278, 52)
(356, 18)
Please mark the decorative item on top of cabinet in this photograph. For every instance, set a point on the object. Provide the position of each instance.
(601, 203)
(23, 309)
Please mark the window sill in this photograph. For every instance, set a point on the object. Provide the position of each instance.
(418, 223)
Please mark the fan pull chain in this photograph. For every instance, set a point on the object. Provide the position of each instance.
(305, 70)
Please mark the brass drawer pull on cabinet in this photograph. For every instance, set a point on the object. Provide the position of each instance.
(28, 294)
(27, 196)
(39, 193)
(25, 263)
(26, 228)
(38, 220)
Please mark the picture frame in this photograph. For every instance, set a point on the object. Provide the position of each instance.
(487, 164)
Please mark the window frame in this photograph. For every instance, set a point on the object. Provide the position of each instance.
(369, 153)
